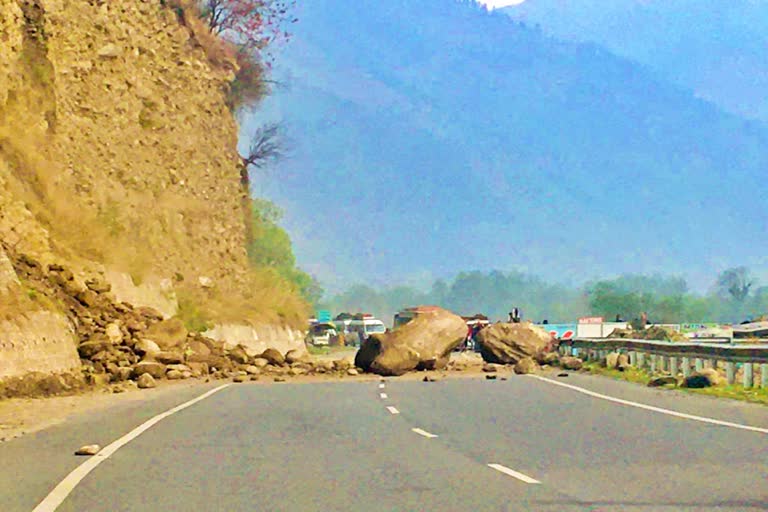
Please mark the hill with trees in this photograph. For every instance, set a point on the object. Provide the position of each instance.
(432, 136)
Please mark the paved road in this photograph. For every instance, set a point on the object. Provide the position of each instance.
(337, 446)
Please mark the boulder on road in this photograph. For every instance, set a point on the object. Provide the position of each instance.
(145, 381)
(662, 381)
(507, 343)
(424, 343)
(296, 356)
(525, 366)
(571, 363)
(153, 368)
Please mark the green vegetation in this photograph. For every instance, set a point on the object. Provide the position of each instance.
(735, 392)
(270, 247)
(193, 316)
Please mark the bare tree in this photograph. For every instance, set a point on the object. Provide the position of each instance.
(267, 146)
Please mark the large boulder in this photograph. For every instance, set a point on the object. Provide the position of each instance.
(167, 334)
(425, 343)
(273, 356)
(703, 379)
(508, 343)
(525, 366)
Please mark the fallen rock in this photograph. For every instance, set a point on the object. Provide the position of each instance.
(120, 374)
(662, 381)
(562, 374)
(352, 371)
(490, 368)
(174, 375)
(179, 367)
(341, 365)
(144, 346)
(507, 343)
(168, 357)
(296, 356)
(260, 362)
(549, 358)
(490, 376)
(252, 370)
(612, 360)
(113, 333)
(239, 355)
(153, 368)
(146, 381)
(525, 366)
(424, 343)
(430, 378)
(239, 378)
(622, 362)
(273, 356)
(167, 334)
(89, 449)
(571, 363)
(90, 348)
(279, 379)
(705, 378)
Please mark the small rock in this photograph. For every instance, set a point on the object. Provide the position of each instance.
(662, 381)
(114, 335)
(260, 362)
(571, 363)
(490, 377)
(254, 377)
(146, 347)
(252, 370)
(89, 449)
(525, 366)
(490, 368)
(296, 356)
(273, 356)
(109, 51)
(294, 372)
(279, 379)
(205, 282)
(239, 378)
(174, 375)
(352, 371)
(146, 381)
(430, 378)
(153, 368)
(562, 374)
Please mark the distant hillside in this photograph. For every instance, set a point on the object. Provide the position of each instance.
(432, 136)
(716, 49)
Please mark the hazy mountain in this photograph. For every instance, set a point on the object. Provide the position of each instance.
(715, 48)
(431, 136)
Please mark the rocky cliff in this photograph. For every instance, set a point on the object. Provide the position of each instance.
(117, 160)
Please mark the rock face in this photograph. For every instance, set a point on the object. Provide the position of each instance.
(424, 343)
(507, 343)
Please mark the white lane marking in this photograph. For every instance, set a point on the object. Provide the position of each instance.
(382, 386)
(57, 496)
(393, 410)
(514, 474)
(424, 433)
(383, 395)
(661, 410)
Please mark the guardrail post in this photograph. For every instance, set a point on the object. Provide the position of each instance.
(673, 366)
(764, 376)
(713, 363)
(686, 367)
(640, 359)
(699, 364)
(633, 358)
(653, 363)
(730, 372)
(749, 375)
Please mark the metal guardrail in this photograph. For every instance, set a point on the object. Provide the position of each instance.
(672, 357)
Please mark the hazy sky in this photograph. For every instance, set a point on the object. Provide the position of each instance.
(501, 3)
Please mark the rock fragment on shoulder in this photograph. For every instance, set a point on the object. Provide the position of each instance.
(89, 449)
(146, 381)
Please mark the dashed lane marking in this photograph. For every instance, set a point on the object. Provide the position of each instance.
(661, 410)
(382, 386)
(66, 486)
(383, 395)
(424, 433)
(393, 410)
(514, 474)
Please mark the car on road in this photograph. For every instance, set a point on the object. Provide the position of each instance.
(322, 334)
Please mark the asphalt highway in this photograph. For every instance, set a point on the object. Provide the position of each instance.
(403, 445)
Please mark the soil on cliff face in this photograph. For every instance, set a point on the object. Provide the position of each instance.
(118, 153)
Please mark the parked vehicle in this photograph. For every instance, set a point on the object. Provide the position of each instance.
(322, 334)
(363, 326)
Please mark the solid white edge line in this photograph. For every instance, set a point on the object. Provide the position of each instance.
(424, 433)
(383, 395)
(661, 410)
(393, 410)
(59, 493)
(514, 474)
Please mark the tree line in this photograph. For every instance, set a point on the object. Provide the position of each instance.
(734, 297)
